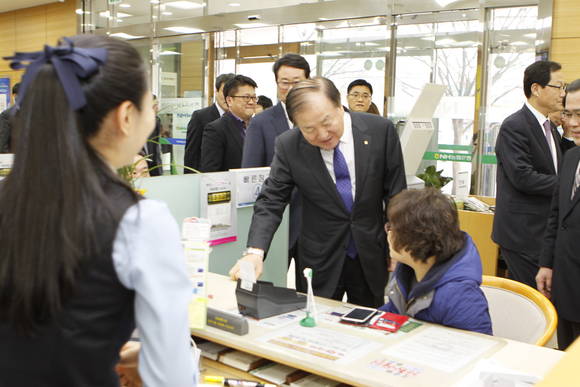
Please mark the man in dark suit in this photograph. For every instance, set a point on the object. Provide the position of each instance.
(223, 139)
(528, 151)
(346, 166)
(200, 119)
(559, 272)
(6, 123)
(264, 128)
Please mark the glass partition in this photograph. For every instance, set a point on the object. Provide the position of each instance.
(511, 48)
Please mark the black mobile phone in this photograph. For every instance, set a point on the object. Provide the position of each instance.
(359, 315)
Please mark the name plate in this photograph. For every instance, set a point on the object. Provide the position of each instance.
(227, 321)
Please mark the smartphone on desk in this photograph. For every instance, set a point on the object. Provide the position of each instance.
(358, 315)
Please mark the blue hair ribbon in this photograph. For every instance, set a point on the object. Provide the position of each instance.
(71, 64)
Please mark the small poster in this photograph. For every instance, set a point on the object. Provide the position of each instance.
(249, 184)
(4, 93)
(217, 205)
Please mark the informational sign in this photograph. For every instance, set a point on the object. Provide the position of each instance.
(217, 205)
(4, 93)
(248, 183)
(180, 110)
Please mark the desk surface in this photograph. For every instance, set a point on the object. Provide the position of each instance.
(373, 362)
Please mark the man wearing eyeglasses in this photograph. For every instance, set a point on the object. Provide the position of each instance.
(529, 153)
(559, 270)
(199, 120)
(223, 139)
(359, 95)
(266, 127)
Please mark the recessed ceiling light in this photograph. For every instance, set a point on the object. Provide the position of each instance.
(154, 1)
(234, 4)
(184, 4)
(125, 5)
(251, 25)
(108, 14)
(184, 30)
(80, 12)
(166, 13)
(123, 35)
(445, 3)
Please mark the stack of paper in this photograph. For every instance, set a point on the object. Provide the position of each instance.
(195, 233)
(242, 360)
(315, 381)
(212, 350)
(278, 373)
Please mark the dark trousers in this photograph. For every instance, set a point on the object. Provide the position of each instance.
(353, 283)
(568, 331)
(522, 267)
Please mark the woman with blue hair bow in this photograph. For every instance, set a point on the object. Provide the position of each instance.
(78, 264)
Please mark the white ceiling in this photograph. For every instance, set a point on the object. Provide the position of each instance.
(11, 5)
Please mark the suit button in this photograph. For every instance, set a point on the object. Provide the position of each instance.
(564, 227)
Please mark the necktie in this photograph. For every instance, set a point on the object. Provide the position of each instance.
(243, 130)
(344, 188)
(550, 140)
(576, 183)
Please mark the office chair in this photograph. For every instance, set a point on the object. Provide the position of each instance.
(519, 312)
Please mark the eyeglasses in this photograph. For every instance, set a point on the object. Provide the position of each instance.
(561, 87)
(567, 114)
(360, 95)
(246, 98)
(287, 84)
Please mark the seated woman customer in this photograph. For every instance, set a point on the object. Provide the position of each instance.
(83, 258)
(438, 274)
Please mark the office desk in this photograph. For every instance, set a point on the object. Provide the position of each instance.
(361, 369)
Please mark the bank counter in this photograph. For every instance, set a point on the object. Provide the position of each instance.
(429, 355)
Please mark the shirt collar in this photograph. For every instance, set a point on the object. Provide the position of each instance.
(539, 116)
(347, 133)
(219, 108)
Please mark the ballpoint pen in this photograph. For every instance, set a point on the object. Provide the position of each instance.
(236, 382)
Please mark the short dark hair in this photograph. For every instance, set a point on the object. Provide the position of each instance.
(425, 223)
(359, 82)
(231, 86)
(16, 88)
(264, 102)
(295, 99)
(572, 87)
(539, 72)
(292, 60)
(223, 78)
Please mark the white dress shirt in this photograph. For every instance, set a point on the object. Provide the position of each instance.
(290, 124)
(148, 258)
(219, 108)
(346, 146)
(541, 119)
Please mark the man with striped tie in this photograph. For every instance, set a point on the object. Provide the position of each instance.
(347, 165)
(529, 153)
(559, 272)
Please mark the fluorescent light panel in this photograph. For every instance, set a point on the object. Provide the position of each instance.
(184, 4)
(184, 30)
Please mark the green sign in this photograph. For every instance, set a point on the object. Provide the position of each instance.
(488, 159)
(114, 1)
(440, 156)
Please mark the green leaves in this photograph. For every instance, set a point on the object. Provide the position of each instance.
(433, 178)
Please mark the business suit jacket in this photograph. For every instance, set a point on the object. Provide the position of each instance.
(261, 136)
(259, 152)
(326, 223)
(560, 250)
(6, 129)
(526, 179)
(197, 123)
(221, 145)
